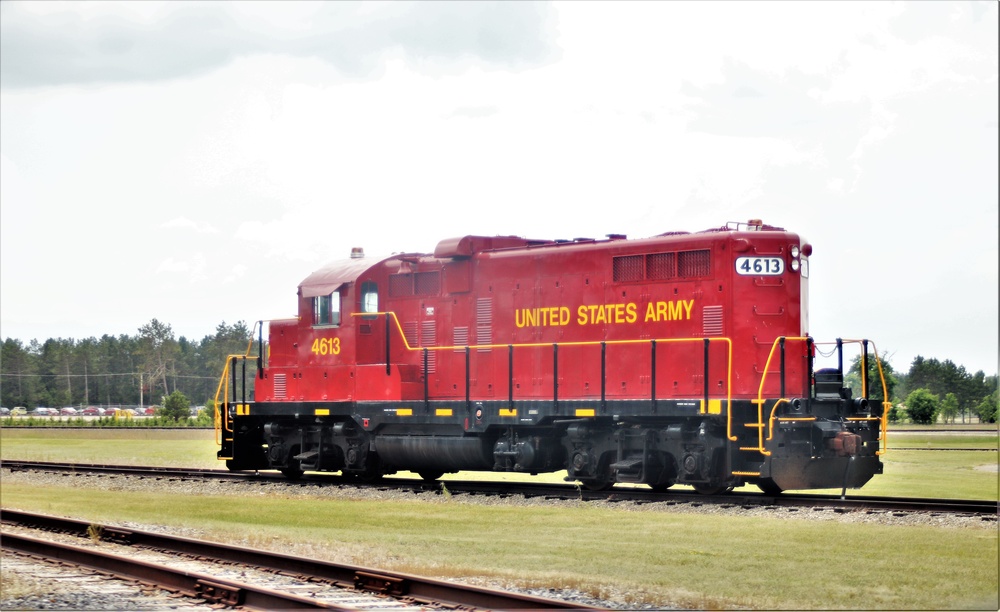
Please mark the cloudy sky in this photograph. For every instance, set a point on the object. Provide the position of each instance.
(193, 162)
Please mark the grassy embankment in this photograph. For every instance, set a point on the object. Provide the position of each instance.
(681, 559)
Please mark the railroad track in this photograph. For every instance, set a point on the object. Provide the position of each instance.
(224, 575)
(988, 509)
(918, 448)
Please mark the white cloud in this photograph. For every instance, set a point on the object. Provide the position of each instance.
(114, 42)
(172, 265)
(237, 272)
(185, 223)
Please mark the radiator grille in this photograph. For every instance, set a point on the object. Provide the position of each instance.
(400, 285)
(627, 268)
(694, 263)
(428, 283)
(660, 266)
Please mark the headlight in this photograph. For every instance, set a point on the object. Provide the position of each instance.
(795, 250)
(795, 265)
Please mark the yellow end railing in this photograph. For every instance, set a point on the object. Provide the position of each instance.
(886, 404)
(760, 401)
(221, 418)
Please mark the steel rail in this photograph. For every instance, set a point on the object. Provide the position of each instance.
(136, 470)
(552, 490)
(201, 586)
(918, 448)
(397, 585)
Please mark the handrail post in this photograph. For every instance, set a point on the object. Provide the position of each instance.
(555, 376)
(243, 385)
(864, 369)
(260, 350)
(809, 366)
(604, 377)
(781, 345)
(652, 373)
(426, 383)
(840, 355)
(706, 373)
(234, 380)
(388, 370)
(468, 401)
(510, 375)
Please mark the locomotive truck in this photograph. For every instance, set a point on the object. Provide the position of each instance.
(682, 358)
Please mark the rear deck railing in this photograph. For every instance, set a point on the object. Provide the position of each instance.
(779, 346)
(228, 379)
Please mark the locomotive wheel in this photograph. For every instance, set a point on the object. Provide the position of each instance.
(705, 489)
(667, 474)
(598, 484)
(372, 471)
(293, 471)
(768, 487)
(430, 476)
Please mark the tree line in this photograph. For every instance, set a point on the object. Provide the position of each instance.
(146, 367)
(125, 370)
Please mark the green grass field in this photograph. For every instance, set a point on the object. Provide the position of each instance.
(684, 559)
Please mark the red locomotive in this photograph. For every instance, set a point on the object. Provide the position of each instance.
(681, 358)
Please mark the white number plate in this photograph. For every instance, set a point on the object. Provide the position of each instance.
(760, 266)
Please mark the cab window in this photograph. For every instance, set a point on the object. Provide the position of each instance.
(369, 297)
(326, 309)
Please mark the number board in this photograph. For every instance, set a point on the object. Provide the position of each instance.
(760, 266)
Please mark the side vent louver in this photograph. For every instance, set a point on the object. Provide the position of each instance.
(279, 386)
(461, 338)
(711, 317)
(428, 337)
(484, 323)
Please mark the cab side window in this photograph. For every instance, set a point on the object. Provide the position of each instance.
(369, 297)
(326, 309)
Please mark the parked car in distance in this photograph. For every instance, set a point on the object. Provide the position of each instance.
(18, 411)
(4, 411)
(92, 411)
(43, 411)
(68, 411)
(150, 410)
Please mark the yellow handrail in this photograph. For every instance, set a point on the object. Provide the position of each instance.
(760, 393)
(886, 405)
(729, 349)
(221, 417)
